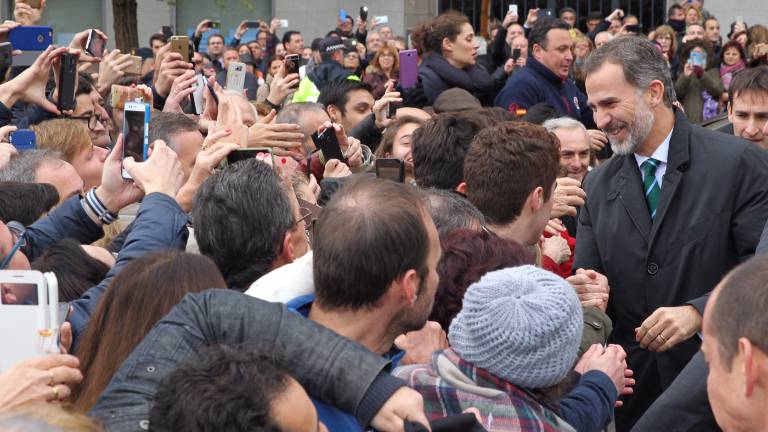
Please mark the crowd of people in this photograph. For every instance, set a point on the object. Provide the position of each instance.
(567, 247)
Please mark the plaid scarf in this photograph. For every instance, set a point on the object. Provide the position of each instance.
(449, 385)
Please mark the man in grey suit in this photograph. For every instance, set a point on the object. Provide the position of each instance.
(666, 218)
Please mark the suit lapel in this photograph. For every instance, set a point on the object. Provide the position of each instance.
(628, 189)
(678, 161)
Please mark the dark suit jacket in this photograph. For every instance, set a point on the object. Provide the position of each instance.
(713, 205)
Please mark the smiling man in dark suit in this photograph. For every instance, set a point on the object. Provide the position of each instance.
(666, 218)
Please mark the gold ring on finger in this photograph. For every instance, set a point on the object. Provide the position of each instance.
(52, 381)
(55, 392)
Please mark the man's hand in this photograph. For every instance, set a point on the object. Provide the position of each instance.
(111, 69)
(350, 147)
(274, 25)
(554, 227)
(202, 27)
(597, 139)
(5, 27)
(591, 287)
(667, 327)
(510, 19)
(336, 169)
(556, 248)
(616, 14)
(26, 15)
(568, 195)
(419, 345)
(171, 67)
(241, 29)
(404, 405)
(6, 151)
(282, 86)
(206, 162)
(79, 41)
(115, 192)
(509, 66)
(29, 86)
(533, 15)
(161, 172)
(39, 379)
(381, 106)
(182, 87)
(612, 362)
(284, 138)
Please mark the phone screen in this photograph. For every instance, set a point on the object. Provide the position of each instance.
(390, 169)
(133, 135)
(95, 45)
(19, 294)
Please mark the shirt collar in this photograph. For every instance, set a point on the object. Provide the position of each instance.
(661, 154)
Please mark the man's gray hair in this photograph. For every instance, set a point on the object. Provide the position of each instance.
(240, 95)
(641, 61)
(23, 166)
(552, 125)
(450, 211)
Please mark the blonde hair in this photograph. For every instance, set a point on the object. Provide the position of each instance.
(68, 137)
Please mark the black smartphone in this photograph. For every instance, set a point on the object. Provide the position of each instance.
(95, 44)
(391, 169)
(364, 13)
(633, 28)
(392, 109)
(249, 153)
(212, 93)
(67, 82)
(215, 24)
(516, 54)
(329, 145)
(252, 24)
(6, 55)
(167, 32)
(291, 64)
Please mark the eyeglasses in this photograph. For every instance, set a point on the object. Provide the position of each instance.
(17, 230)
(93, 120)
(305, 214)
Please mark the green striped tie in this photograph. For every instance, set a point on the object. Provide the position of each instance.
(650, 185)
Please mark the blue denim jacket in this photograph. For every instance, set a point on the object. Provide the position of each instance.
(330, 367)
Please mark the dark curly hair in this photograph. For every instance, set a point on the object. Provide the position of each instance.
(467, 256)
(226, 388)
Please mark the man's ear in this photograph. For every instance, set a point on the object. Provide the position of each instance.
(150, 149)
(535, 199)
(656, 93)
(749, 367)
(333, 113)
(730, 110)
(462, 188)
(288, 255)
(409, 286)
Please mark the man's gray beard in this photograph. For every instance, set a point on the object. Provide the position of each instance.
(637, 132)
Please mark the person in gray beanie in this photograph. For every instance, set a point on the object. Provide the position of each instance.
(513, 348)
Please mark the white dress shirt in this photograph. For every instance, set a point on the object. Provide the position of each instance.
(661, 154)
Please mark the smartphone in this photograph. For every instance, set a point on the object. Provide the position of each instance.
(215, 24)
(342, 14)
(291, 63)
(381, 19)
(283, 23)
(516, 54)
(28, 319)
(23, 139)
(244, 153)
(633, 28)
(135, 133)
(180, 44)
(392, 108)
(698, 59)
(236, 76)
(409, 68)
(67, 82)
(167, 32)
(364, 13)
(251, 24)
(212, 93)
(326, 141)
(513, 9)
(95, 44)
(121, 95)
(740, 20)
(391, 169)
(31, 38)
(547, 12)
(196, 98)
(135, 67)
(6, 55)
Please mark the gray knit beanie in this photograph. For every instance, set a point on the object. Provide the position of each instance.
(522, 324)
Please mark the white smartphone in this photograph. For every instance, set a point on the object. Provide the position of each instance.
(381, 19)
(513, 9)
(236, 76)
(740, 20)
(135, 132)
(283, 23)
(198, 95)
(29, 315)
